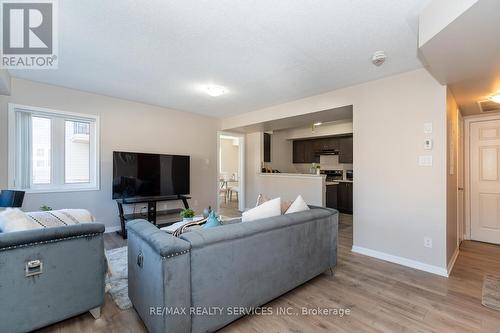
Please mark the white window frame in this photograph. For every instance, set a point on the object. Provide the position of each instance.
(57, 150)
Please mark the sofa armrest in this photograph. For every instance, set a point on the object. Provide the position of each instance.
(45, 235)
(162, 242)
(159, 276)
(69, 279)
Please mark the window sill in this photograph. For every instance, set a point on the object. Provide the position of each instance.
(59, 190)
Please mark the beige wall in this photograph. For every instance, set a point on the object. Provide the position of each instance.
(288, 187)
(254, 143)
(229, 157)
(452, 179)
(396, 202)
(125, 126)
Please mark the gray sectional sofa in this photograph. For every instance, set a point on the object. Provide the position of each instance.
(172, 280)
(50, 274)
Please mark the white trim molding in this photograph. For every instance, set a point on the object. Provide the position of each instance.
(453, 260)
(401, 261)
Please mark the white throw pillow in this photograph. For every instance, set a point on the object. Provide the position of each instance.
(13, 219)
(299, 205)
(269, 208)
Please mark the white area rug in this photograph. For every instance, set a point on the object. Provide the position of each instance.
(117, 283)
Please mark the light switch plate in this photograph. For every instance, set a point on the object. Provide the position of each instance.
(428, 144)
(425, 160)
(427, 128)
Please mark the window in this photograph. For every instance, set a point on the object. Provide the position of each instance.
(51, 150)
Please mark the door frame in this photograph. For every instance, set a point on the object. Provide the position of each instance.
(468, 121)
(241, 167)
(461, 174)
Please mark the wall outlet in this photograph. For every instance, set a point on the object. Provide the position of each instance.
(428, 242)
(425, 160)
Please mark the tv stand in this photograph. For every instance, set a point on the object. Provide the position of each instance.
(168, 216)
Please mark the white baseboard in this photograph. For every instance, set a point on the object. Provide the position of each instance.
(453, 259)
(401, 261)
(112, 229)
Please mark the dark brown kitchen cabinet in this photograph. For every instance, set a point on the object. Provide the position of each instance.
(299, 151)
(331, 196)
(267, 147)
(309, 150)
(345, 150)
(304, 151)
(344, 197)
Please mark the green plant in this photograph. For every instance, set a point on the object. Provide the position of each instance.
(45, 208)
(187, 213)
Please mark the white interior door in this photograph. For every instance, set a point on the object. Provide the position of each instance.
(485, 181)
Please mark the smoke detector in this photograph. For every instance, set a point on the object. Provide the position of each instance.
(379, 58)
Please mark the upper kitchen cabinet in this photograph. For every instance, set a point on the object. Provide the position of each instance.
(326, 144)
(304, 151)
(309, 150)
(345, 150)
(267, 147)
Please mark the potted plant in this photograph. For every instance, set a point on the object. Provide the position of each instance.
(187, 214)
(45, 208)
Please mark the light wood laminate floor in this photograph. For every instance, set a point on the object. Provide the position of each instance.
(382, 297)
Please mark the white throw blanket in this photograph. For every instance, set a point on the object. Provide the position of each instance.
(13, 219)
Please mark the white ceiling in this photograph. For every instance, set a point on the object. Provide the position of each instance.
(264, 52)
(343, 113)
(465, 55)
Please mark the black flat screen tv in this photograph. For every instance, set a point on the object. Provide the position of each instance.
(149, 175)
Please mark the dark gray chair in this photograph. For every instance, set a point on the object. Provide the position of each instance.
(9, 198)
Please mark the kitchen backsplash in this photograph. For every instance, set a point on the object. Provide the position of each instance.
(327, 162)
(331, 162)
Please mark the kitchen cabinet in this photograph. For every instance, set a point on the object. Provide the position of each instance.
(345, 150)
(344, 197)
(304, 152)
(267, 147)
(331, 196)
(307, 151)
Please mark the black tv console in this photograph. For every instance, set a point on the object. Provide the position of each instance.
(166, 217)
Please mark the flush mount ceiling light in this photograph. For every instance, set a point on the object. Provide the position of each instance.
(318, 124)
(214, 90)
(495, 98)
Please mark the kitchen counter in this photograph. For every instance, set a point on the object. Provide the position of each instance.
(292, 175)
(336, 182)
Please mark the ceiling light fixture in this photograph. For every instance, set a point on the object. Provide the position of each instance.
(214, 90)
(495, 98)
(318, 124)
